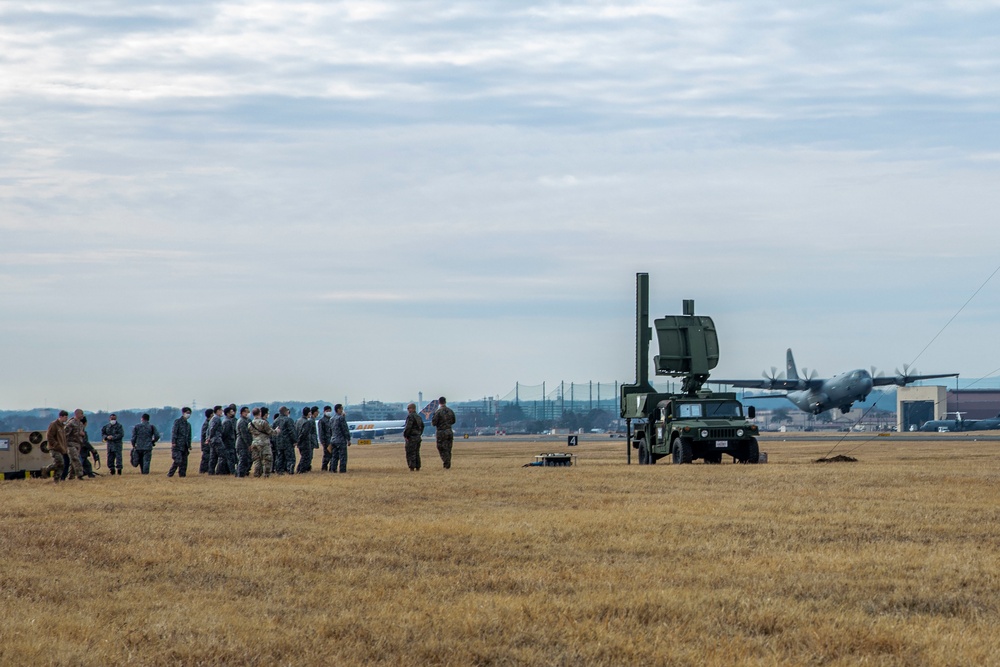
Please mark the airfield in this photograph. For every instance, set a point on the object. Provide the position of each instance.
(892, 560)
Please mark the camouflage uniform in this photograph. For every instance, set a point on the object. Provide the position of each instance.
(340, 440)
(260, 447)
(180, 447)
(76, 435)
(285, 460)
(144, 438)
(214, 441)
(306, 443)
(243, 441)
(113, 434)
(274, 441)
(412, 432)
(206, 449)
(324, 439)
(443, 420)
(227, 453)
(86, 452)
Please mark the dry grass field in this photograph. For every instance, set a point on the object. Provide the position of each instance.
(893, 560)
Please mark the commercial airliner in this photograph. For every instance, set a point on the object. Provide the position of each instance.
(368, 430)
(816, 395)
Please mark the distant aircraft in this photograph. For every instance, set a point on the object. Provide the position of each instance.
(379, 429)
(816, 395)
(950, 425)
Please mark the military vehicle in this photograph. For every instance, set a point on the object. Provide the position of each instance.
(693, 424)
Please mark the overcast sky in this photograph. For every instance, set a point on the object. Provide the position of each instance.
(236, 201)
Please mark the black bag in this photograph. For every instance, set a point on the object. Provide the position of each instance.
(135, 458)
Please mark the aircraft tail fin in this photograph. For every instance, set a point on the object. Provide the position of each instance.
(790, 370)
(428, 411)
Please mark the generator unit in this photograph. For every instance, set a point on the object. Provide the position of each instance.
(23, 453)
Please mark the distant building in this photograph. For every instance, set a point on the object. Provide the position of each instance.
(974, 403)
(917, 405)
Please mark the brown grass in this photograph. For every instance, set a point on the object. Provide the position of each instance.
(893, 560)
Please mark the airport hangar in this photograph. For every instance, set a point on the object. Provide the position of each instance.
(916, 405)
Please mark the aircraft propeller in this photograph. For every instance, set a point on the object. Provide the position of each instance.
(774, 376)
(901, 378)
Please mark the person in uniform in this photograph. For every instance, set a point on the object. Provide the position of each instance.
(87, 452)
(56, 439)
(260, 445)
(324, 436)
(305, 427)
(340, 440)
(443, 420)
(227, 452)
(413, 430)
(243, 442)
(274, 442)
(206, 450)
(76, 436)
(180, 444)
(287, 437)
(214, 437)
(113, 434)
(144, 438)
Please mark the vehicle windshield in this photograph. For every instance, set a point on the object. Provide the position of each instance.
(724, 409)
(710, 409)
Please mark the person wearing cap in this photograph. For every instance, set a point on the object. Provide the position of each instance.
(180, 444)
(113, 434)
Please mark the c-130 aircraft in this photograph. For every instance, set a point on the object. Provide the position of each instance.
(816, 395)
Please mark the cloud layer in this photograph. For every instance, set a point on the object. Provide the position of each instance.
(236, 201)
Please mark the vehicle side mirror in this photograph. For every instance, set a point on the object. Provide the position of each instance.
(751, 412)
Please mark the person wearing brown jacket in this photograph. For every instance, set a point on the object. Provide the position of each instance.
(56, 442)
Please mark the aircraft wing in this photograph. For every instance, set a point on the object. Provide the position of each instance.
(775, 383)
(902, 380)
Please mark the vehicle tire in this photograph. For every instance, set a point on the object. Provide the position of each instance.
(753, 452)
(682, 450)
(643, 452)
(713, 458)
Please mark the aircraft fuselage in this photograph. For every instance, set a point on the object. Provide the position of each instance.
(840, 391)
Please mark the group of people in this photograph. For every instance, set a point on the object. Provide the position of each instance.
(243, 446)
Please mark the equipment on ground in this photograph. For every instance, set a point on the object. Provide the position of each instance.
(552, 460)
(693, 424)
(23, 453)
